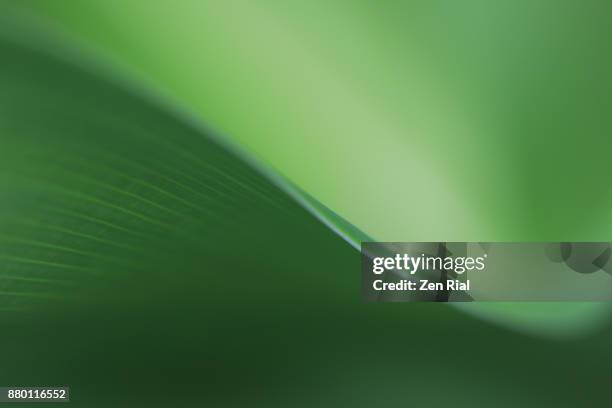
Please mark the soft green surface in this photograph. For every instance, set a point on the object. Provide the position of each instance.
(425, 121)
(161, 258)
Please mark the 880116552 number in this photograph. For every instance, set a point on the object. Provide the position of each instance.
(34, 393)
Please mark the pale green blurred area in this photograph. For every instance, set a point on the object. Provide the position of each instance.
(415, 121)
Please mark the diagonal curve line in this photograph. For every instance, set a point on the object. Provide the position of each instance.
(43, 295)
(44, 263)
(36, 280)
(147, 184)
(41, 244)
(136, 87)
(95, 220)
(98, 201)
(75, 233)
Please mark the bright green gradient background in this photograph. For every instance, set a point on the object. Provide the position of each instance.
(413, 121)
(449, 121)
